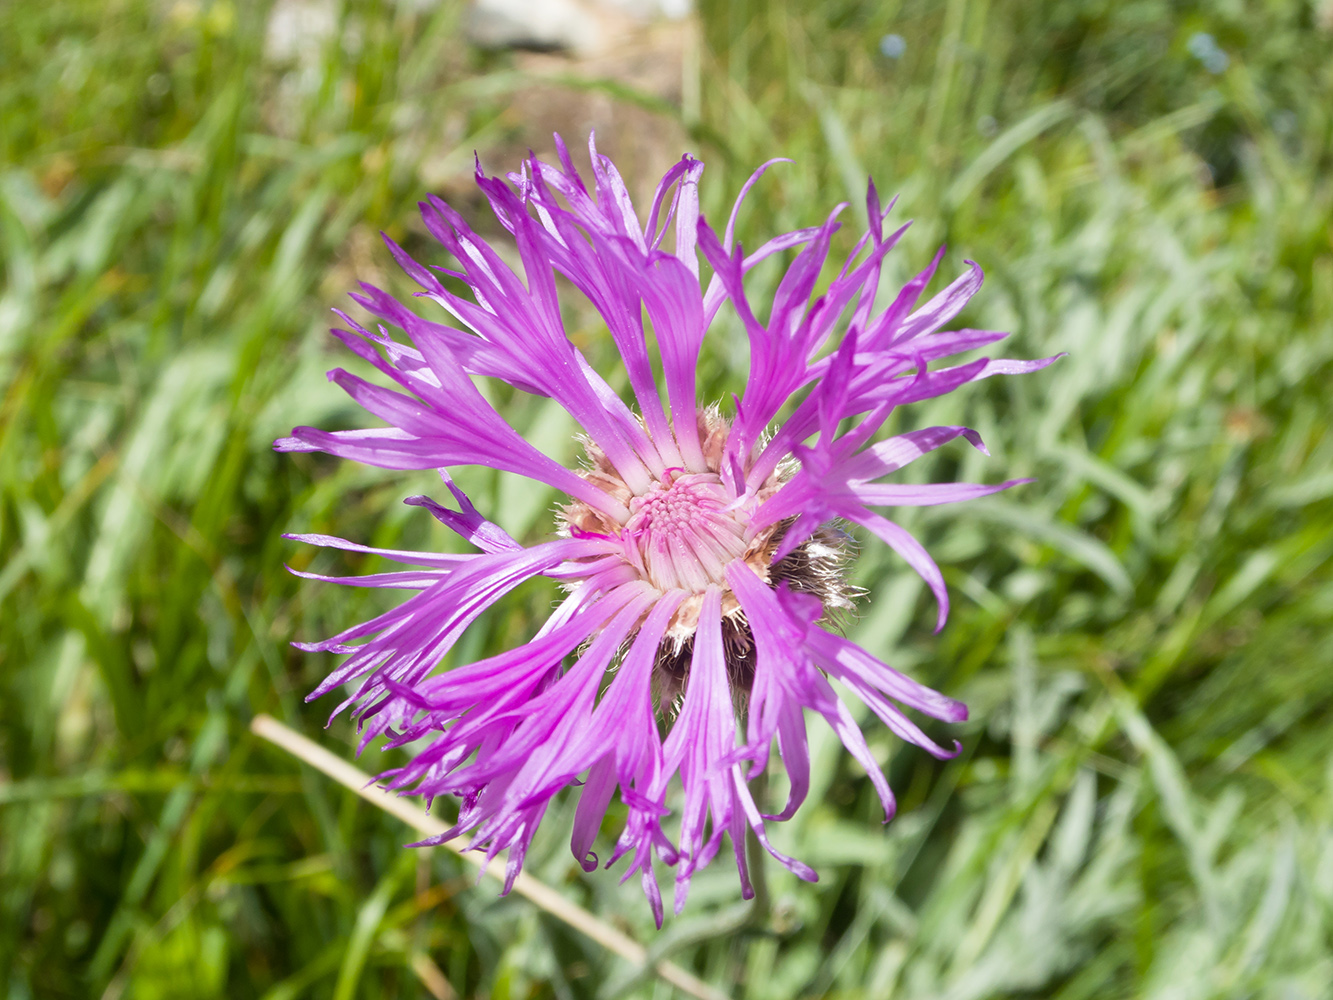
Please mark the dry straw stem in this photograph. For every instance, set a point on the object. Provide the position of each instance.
(525, 885)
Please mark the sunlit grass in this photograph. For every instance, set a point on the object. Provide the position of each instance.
(1144, 800)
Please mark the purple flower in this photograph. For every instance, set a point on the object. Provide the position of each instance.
(700, 553)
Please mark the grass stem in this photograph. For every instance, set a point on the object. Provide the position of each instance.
(532, 889)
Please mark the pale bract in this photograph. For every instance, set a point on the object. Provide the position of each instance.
(700, 551)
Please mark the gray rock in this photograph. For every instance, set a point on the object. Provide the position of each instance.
(575, 25)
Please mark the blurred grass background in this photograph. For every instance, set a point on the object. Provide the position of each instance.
(1144, 805)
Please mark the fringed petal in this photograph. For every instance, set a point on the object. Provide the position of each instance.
(686, 535)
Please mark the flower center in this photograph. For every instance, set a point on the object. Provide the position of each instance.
(683, 531)
(680, 534)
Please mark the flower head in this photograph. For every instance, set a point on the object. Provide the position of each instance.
(700, 553)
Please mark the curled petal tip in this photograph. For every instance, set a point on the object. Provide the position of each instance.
(942, 617)
(293, 442)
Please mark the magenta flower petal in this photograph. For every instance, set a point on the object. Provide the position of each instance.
(700, 553)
